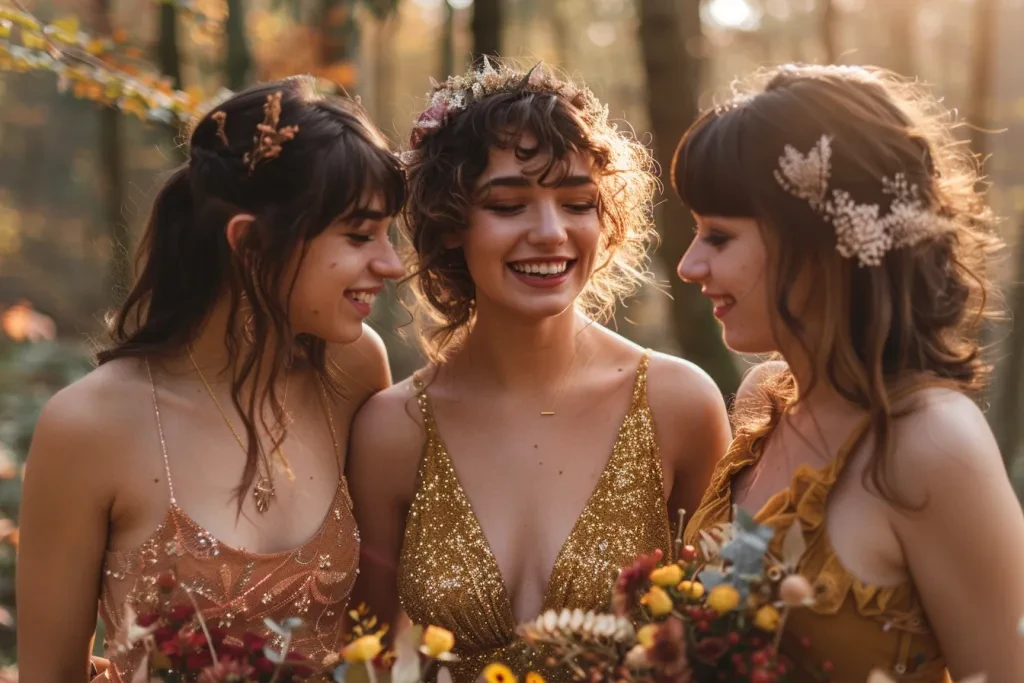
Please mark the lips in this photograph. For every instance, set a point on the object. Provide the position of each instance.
(362, 299)
(723, 303)
(551, 268)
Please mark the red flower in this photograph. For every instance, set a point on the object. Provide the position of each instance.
(182, 613)
(630, 581)
(197, 661)
(147, 619)
(430, 119)
(165, 634)
(710, 650)
(668, 652)
(167, 580)
(253, 643)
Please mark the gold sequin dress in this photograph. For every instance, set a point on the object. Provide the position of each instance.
(449, 577)
(235, 589)
(854, 627)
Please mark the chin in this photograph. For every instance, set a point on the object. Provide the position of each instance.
(746, 343)
(345, 332)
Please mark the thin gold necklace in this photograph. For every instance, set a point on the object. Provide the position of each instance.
(264, 490)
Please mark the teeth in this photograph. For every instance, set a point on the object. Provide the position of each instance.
(363, 297)
(550, 268)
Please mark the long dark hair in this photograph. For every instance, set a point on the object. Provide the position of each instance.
(336, 162)
(916, 316)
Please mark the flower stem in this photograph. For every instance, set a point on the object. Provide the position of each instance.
(284, 653)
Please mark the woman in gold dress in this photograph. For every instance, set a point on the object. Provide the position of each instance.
(539, 452)
(839, 227)
(210, 441)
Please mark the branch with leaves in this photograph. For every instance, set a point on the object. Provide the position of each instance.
(93, 68)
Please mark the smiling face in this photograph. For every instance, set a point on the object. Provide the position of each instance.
(342, 271)
(532, 240)
(728, 258)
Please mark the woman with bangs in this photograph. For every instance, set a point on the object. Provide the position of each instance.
(538, 452)
(839, 228)
(203, 459)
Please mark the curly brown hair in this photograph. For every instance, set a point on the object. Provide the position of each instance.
(444, 167)
(916, 317)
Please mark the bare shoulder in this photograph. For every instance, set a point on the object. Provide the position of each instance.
(748, 396)
(388, 436)
(81, 431)
(677, 388)
(944, 446)
(363, 364)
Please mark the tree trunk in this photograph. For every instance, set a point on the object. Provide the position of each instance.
(1008, 410)
(829, 31)
(168, 59)
(239, 59)
(384, 72)
(902, 37)
(560, 33)
(487, 28)
(673, 78)
(111, 179)
(981, 74)
(447, 61)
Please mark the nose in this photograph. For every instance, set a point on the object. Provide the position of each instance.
(549, 229)
(387, 264)
(693, 266)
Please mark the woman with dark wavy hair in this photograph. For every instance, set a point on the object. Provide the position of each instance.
(539, 452)
(838, 226)
(210, 442)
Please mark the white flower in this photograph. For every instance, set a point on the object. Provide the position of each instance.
(563, 620)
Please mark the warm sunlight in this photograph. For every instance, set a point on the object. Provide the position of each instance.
(734, 14)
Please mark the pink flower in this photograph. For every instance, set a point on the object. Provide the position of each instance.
(432, 118)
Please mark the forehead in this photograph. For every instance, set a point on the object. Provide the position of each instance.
(504, 161)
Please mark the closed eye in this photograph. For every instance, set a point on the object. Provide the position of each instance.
(505, 209)
(582, 207)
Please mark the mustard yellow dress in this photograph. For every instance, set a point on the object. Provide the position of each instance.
(449, 577)
(854, 627)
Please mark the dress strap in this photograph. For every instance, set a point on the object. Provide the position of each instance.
(424, 403)
(160, 432)
(640, 383)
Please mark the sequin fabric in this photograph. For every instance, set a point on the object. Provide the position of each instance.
(234, 589)
(449, 577)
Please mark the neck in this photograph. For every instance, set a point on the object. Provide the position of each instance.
(513, 353)
(812, 383)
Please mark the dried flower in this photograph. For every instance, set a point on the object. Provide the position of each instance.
(767, 618)
(667, 576)
(668, 652)
(723, 598)
(363, 649)
(692, 590)
(269, 138)
(437, 642)
(795, 590)
(657, 601)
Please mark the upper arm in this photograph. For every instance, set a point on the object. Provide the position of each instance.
(386, 443)
(691, 426)
(66, 501)
(748, 396)
(964, 549)
(363, 364)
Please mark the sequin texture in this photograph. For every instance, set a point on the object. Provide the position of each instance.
(449, 577)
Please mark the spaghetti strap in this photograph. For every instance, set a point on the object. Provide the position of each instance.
(424, 403)
(640, 382)
(160, 432)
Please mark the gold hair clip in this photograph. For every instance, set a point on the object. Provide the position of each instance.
(269, 138)
(221, 119)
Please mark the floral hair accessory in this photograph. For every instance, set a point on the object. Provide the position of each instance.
(269, 137)
(458, 93)
(861, 230)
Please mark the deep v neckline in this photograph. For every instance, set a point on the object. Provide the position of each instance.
(490, 557)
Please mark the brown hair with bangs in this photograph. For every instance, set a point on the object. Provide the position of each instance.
(914, 318)
(336, 163)
(443, 170)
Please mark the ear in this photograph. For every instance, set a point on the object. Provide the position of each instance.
(237, 227)
(452, 240)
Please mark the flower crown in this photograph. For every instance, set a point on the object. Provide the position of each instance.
(861, 231)
(458, 93)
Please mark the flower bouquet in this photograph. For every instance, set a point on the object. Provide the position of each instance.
(709, 616)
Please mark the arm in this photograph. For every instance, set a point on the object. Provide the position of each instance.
(691, 426)
(964, 549)
(66, 500)
(386, 443)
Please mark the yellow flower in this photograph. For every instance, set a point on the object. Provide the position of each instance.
(534, 677)
(767, 619)
(645, 636)
(667, 576)
(437, 641)
(657, 601)
(499, 673)
(362, 649)
(693, 590)
(723, 598)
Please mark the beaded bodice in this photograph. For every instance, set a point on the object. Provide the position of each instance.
(449, 577)
(233, 588)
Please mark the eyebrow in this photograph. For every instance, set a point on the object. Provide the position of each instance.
(365, 215)
(523, 181)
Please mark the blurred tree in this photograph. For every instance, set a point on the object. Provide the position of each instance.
(447, 61)
(670, 35)
(111, 175)
(487, 26)
(982, 70)
(903, 36)
(168, 59)
(1007, 416)
(238, 64)
(830, 31)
